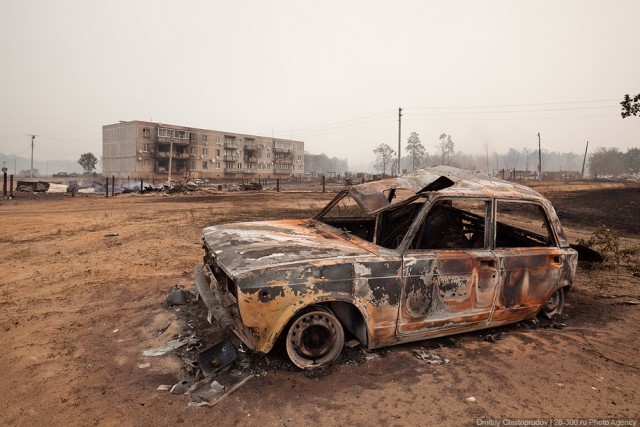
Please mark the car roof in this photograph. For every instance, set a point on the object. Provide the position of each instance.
(444, 181)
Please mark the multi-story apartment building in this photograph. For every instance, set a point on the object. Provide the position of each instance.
(148, 150)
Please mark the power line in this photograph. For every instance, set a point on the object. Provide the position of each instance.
(512, 111)
(363, 118)
(515, 105)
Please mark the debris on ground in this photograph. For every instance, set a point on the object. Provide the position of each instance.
(181, 387)
(214, 393)
(170, 346)
(32, 187)
(493, 337)
(430, 357)
(251, 186)
(216, 357)
(178, 296)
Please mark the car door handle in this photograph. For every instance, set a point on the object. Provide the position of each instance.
(487, 263)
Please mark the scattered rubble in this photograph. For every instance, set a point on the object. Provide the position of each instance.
(430, 357)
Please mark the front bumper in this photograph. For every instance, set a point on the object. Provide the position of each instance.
(222, 306)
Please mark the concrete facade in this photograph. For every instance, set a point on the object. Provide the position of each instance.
(147, 150)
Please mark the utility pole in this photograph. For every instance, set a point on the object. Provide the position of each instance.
(33, 137)
(539, 159)
(584, 161)
(399, 136)
(486, 148)
(170, 156)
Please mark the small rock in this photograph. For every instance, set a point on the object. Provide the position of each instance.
(470, 399)
(164, 387)
(144, 365)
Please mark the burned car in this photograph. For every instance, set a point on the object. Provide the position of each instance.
(438, 251)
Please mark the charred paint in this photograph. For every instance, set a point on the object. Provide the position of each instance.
(270, 270)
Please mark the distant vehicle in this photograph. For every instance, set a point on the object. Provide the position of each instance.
(435, 252)
(61, 175)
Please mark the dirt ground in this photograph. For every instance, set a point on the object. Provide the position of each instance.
(78, 306)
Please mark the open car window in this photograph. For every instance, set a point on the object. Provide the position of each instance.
(522, 224)
(453, 224)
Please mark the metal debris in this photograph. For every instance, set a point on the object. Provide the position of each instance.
(430, 357)
(177, 296)
(216, 357)
(181, 387)
(169, 346)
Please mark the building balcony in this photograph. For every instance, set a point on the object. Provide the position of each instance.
(228, 158)
(283, 171)
(169, 140)
(288, 150)
(231, 145)
(234, 170)
(283, 160)
(249, 171)
(252, 146)
(250, 159)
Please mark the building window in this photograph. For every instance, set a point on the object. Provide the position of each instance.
(146, 163)
(205, 165)
(217, 165)
(205, 138)
(217, 152)
(205, 151)
(192, 165)
(147, 147)
(146, 132)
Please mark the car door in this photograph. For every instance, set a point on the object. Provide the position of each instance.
(450, 275)
(530, 260)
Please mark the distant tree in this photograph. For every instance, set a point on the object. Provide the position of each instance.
(415, 149)
(445, 146)
(88, 162)
(606, 162)
(27, 172)
(323, 164)
(384, 155)
(527, 154)
(630, 106)
(632, 160)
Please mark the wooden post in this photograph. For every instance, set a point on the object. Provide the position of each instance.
(324, 183)
(4, 184)
(106, 192)
(11, 186)
(278, 185)
(141, 185)
(113, 185)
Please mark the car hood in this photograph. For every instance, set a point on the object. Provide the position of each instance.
(246, 246)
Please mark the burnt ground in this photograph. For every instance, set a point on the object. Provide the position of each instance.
(616, 208)
(78, 306)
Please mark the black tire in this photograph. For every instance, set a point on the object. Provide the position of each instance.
(315, 339)
(554, 305)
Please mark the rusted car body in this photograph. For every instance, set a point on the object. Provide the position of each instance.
(435, 252)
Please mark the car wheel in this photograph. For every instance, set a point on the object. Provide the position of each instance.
(314, 339)
(554, 305)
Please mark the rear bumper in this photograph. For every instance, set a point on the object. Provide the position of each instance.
(222, 306)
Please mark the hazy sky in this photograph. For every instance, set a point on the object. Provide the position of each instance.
(330, 73)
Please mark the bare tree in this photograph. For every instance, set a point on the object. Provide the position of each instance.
(445, 146)
(384, 155)
(415, 149)
(526, 154)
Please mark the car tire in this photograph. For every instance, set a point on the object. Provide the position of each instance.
(315, 339)
(554, 305)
